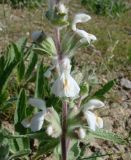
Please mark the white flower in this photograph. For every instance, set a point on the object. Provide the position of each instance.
(81, 18)
(92, 119)
(35, 122)
(65, 85)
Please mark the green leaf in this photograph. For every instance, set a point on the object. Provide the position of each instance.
(21, 44)
(11, 61)
(32, 62)
(47, 47)
(21, 70)
(76, 149)
(20, 154)
(101, 92)
(106, 135)
(4, 151)
(57, 152)
(2, 63)
(47, 146)
(39, 82)
(21, 106)
(13, 57)
(20, 114)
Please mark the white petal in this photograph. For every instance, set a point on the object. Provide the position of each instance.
(65, 86)
(81, 133)
(26, 122)
(80, 18)
(92, 104)
(57, 88)
(47, 74)
(86, 37)
(36, 102)
(37, 121)
(99, 122)
(91, 120)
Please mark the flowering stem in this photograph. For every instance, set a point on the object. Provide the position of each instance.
(64, 131)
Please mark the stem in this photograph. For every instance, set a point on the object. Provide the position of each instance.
(79, 102)
(64, 131)
(57, 31)
(57, 1)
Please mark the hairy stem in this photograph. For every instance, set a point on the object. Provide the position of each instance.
(57, 31)
(64, 131)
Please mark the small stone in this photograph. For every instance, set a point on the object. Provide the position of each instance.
(126, 83)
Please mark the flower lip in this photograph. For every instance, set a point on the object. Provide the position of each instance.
(93, 104)
(37, 121)
(80, 18)
(39, 103)
(86, 37)
(92, 119)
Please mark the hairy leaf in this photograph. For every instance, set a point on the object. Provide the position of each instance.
(39, 81)
(105, 89)
(106, 135)
(32, 62)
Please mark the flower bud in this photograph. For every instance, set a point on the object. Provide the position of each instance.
(84, 89)
(49, 130)
(81, 133)
(62, 9)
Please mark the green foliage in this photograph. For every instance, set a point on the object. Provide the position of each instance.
(47, 145)
(105, 7)
(4, 151)
(47, 46)
(11, 60)
(106, 135)
(11, 145)
(32, 62)
(39, 90)
(105, 89)
(100, 94)
(20, 112)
